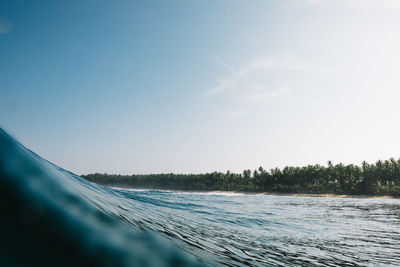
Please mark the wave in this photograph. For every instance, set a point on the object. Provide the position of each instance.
(53, 217)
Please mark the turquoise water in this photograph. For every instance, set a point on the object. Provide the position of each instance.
(273, 230)
(52, 216)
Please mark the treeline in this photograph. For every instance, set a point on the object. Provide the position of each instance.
(381, 178)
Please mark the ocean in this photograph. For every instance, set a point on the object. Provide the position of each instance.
(52, 217)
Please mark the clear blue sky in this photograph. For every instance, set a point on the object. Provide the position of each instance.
(196, 86)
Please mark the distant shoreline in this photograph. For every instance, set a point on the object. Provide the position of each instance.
(376, 180)
(327, 195)
(334, 195)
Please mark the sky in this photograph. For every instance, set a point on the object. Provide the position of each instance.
(199, 86)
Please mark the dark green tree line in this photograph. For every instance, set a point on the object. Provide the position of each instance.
(381, 178)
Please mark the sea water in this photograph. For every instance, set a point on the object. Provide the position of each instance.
(52, 216)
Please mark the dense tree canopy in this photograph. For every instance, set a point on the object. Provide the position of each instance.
(381, 178)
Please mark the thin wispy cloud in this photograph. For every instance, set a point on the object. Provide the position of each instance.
(227, 66)
(311, 70)
(263, 97)
(255, 74)
(5, 25)
(222, 84)
(257, 64)
(231, 115)
(252, 66)
(263, 79)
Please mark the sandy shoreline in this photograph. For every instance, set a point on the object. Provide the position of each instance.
(308, 195)
(329, 195)
(269, 193)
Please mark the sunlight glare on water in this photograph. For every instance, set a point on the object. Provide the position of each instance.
(263, 229)
(112, 226)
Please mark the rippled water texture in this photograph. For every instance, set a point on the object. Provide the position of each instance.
(276, 230)
(105, 225)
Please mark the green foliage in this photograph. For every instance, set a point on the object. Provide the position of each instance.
(381, 178)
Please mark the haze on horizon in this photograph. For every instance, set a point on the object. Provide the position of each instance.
(199, 86)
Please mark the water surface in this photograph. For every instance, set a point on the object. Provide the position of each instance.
(53, 217)
(243, 229)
